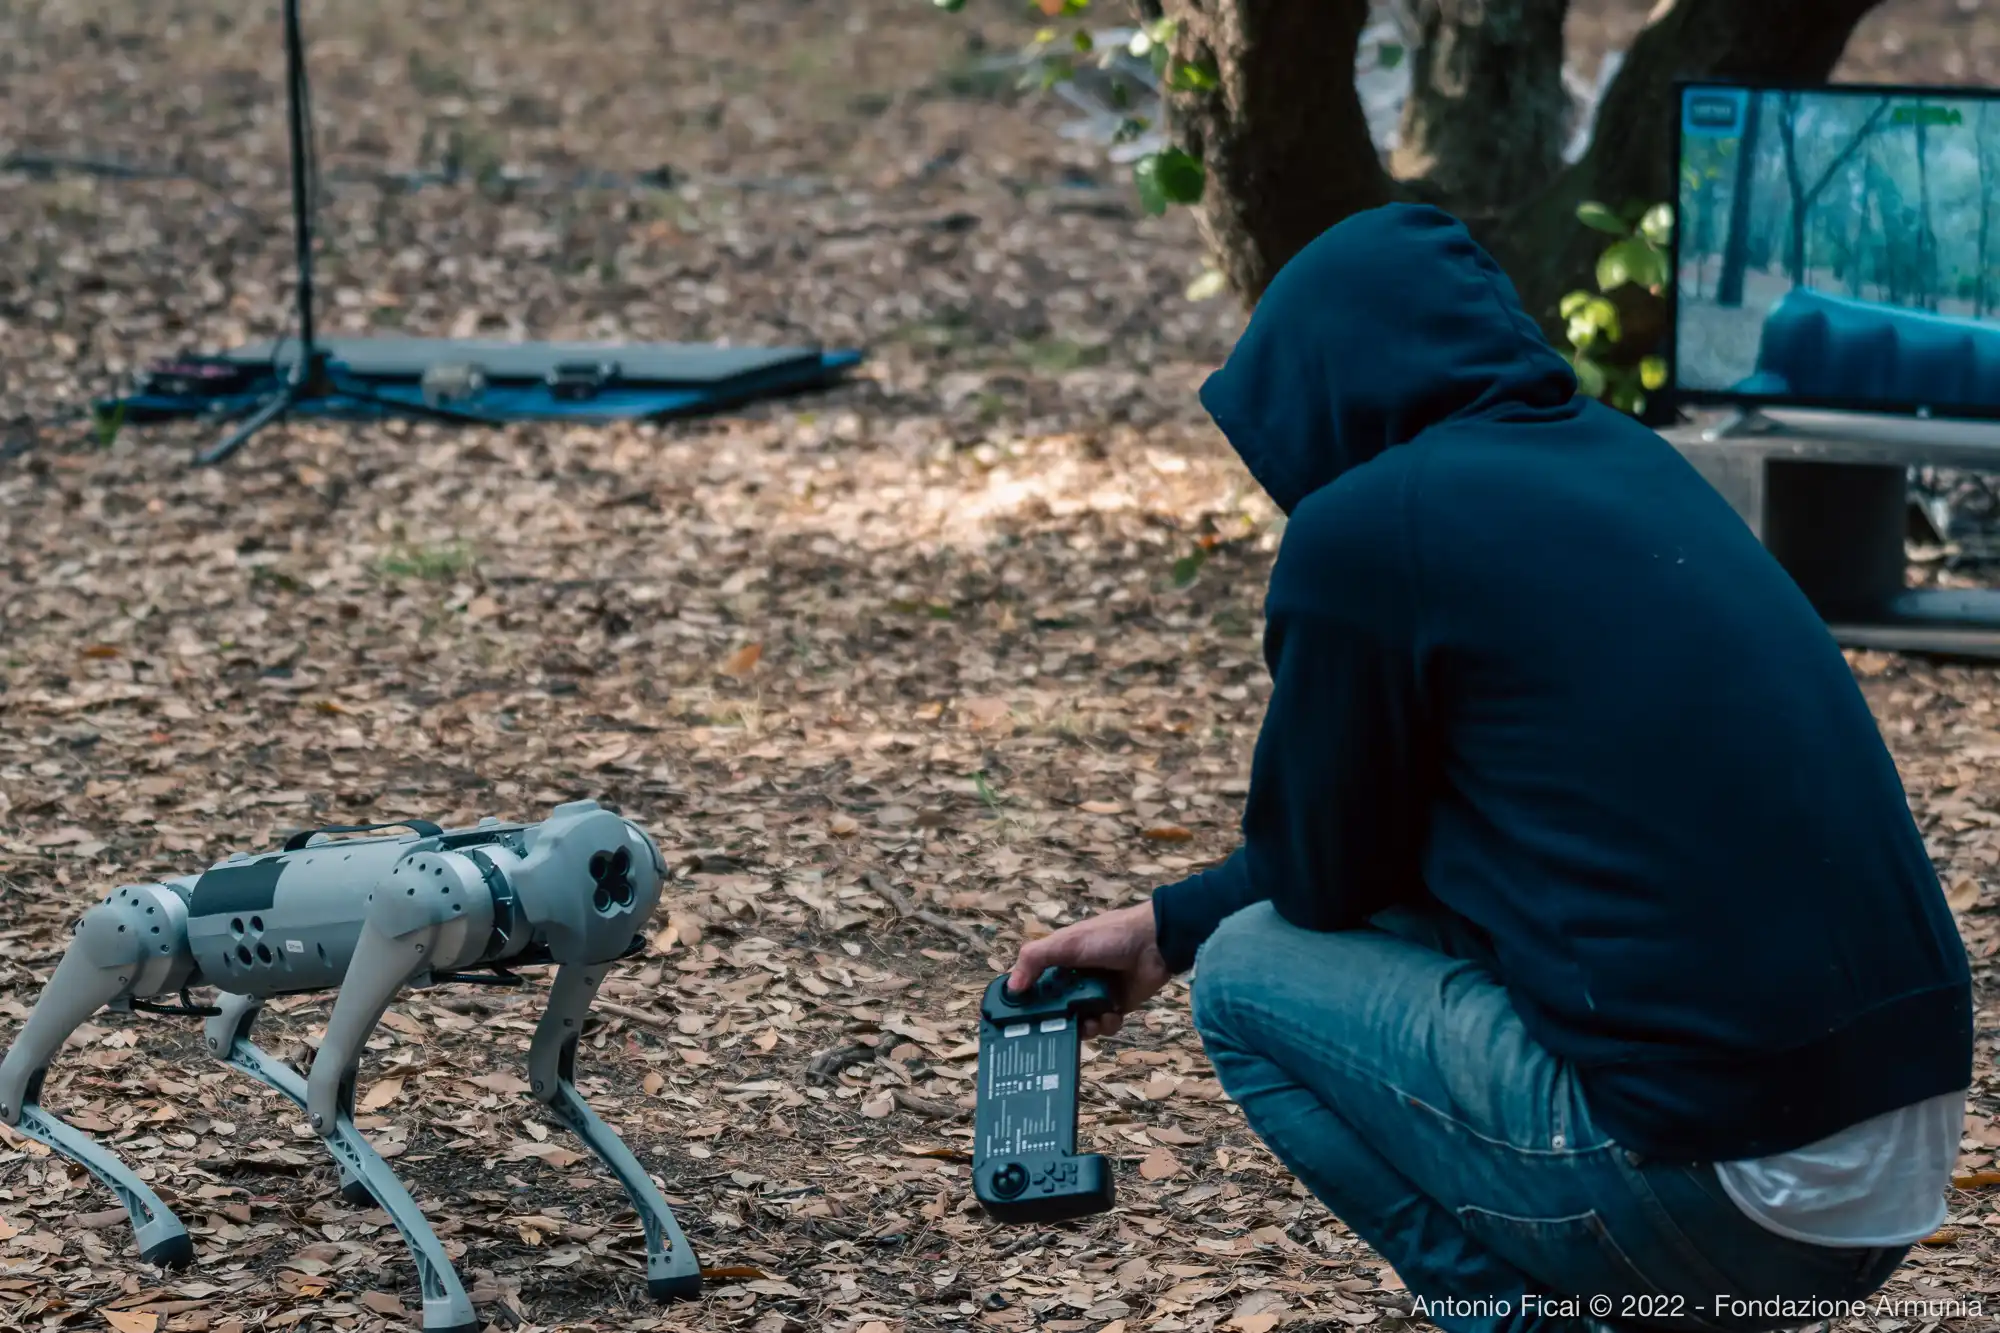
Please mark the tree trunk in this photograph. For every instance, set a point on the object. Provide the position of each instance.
(1631, 153)
(1795, 245)
(1736, 245)
(1283, 139)
(1287, 152)
(1979, 298)
(1927, 274)
(1487, 113)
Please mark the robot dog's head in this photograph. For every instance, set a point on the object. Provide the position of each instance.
(588, 881)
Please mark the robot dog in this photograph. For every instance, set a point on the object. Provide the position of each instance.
(365, 917)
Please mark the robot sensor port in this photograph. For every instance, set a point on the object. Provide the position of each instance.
(611, 873)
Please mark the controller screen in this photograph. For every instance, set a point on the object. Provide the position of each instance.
(1028, 1105)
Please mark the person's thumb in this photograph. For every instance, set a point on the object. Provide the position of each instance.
(1029, 965)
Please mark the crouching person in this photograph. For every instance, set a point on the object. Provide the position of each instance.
(1581, 953)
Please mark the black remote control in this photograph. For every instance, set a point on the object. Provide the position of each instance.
(1025, 1166)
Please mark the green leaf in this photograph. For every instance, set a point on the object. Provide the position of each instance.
(1653, 373)
(1169, 176)
(1389, 55)
(1192, 77)
(1657, 225)
(1589, 376)
(1080, 39)
(1599, 218)
(1573, 304)
(949, 6)
(1188, 566)
(1631, 261)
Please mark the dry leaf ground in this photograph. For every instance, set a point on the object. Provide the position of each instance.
(905, 666)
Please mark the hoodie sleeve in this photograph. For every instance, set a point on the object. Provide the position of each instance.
(1332, 826)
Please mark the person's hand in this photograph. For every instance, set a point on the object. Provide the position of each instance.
(1121, 942)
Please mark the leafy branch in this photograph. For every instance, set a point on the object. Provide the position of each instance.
(1167, 176)
(1613, 332)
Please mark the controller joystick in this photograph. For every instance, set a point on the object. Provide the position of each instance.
(1025, 1165)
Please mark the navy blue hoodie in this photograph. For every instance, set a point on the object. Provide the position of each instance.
(1525, 660)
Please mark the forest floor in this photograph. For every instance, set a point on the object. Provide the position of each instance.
(904, 672)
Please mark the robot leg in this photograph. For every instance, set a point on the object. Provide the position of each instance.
(133, 944)
(407, 934)
(228, 1037)
(672, 1270)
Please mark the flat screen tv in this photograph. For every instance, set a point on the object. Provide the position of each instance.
(1838, 247)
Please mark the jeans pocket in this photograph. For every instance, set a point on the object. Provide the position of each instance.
(1571, 1256)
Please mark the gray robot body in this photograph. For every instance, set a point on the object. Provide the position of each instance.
(365, 917)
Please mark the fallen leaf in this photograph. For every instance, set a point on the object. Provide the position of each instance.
(1976, 1180)
(380, 1094)
(382, 1302)
(132, 1321)
(1160, 1164)
(1963, 895)
(728, 1271)
(1942, 1236)
(1169, 833)
(877, 1107)
(986, 713)
(741, 661)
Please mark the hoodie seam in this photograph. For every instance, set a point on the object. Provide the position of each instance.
(1413, 574)
(1507, 309)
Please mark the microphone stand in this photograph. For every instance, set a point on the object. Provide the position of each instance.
(309, 379)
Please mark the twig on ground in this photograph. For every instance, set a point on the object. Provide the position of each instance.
(924, 1106)
(626, 1011)
(908, 910)
(826, 1066)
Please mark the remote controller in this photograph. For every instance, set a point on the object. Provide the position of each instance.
(1025, 1166)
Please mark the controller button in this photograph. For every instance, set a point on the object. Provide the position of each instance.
(1010, 1180)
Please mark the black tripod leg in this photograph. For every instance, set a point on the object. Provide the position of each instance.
(263, 417)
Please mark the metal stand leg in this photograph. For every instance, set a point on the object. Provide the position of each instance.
(382, 964)
(672, 1270)
(102, 964)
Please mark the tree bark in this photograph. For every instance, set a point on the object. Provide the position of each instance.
(1487, 113)
(1287, 152)
(1631, 153)
(1736, 245)
(1283, 139)
(1795, 245)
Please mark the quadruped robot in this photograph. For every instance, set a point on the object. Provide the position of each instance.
(365, 917)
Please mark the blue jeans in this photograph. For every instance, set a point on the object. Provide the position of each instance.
(1388, 1070)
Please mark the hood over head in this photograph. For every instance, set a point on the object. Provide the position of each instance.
(1390, 322)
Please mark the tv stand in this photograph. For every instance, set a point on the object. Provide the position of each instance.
(1828, 495)
(1748, 421)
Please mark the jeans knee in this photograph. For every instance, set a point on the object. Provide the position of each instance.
(1235, 958)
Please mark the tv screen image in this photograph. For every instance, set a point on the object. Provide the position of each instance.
(1836, 247)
